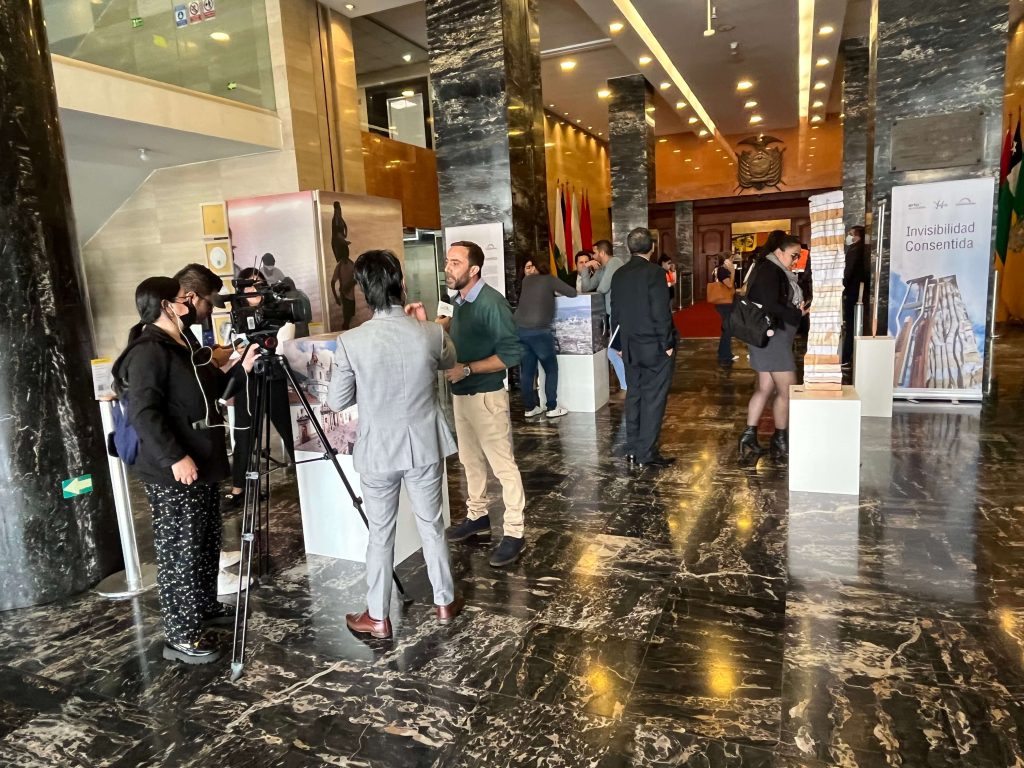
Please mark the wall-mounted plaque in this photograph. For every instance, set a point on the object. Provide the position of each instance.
(938, 141)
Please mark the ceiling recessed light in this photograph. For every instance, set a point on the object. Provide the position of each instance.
(696, 167)
(693, 119)
(579, 119)
(600, 133)
(814, 127)
(220, 37)
(349, 7)
(680, 105)
(408, 94)
(718, 149)
(744, 85)
(551, 106)
(819, 86)
(818, 104)
(689, 160)
(644, 60)
(604, 93)
(590, 127)
(665, 86)
(566, 114)
(406, 57)
(816, 119)
(755, 119)
(750, 104)
(568, 65)
(824, 61)
(676, 151)
(616, 26)
(662, 141)
(702, 132)
(826, 29)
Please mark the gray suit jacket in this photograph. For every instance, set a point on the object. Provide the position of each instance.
(388, 365)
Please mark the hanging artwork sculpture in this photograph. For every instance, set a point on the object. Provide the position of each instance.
(762, 166)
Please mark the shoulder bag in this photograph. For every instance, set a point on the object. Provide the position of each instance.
(720, 293)
(750, 323)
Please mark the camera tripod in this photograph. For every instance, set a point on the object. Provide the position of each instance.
(269, 367)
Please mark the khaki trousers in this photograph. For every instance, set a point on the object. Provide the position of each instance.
(484, 430)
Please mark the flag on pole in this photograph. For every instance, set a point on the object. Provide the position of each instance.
(552, 264)
(1011, 291)
(577, 239)
(567, 225)
(1010, 160)
(586, 228)
(559, 231)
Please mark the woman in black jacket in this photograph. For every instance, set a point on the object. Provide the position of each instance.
(773, 286)
(181, 460)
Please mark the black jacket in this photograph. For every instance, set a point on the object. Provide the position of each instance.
(641, 311)
(165, 400)
(769, 287)
(856, 271)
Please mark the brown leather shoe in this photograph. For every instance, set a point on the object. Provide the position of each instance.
(445, 613)
(364, 624)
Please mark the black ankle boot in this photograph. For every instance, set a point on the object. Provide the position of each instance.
(780, 444)
(749, 447)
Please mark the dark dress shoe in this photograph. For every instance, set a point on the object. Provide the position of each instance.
(446, 613)
(205, 650)
(364, 624)
(507, 551)
(467, 529)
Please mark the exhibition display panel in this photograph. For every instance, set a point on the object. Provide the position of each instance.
(582, 346)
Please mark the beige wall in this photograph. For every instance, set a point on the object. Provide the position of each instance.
(158, 229)
(573, 156)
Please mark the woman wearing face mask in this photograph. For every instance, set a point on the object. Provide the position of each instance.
(280, 413)
(772, 285)
(181, 461)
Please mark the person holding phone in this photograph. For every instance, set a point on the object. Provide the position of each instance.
(181, 461)
(773, 285)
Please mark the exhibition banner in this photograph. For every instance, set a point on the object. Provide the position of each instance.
(940, 252)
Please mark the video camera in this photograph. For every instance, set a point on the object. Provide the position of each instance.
(260, 323)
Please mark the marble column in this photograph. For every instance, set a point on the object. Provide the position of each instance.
(855, 138)
(49, 423)
(489, 122)
(684, 246)
(631, 153)
(931, 59)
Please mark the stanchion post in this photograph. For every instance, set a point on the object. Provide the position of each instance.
(132, 580)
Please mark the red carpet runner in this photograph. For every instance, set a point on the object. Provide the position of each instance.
(700, 321)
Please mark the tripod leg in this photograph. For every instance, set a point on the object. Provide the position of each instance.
(332, 457)
(250, 518)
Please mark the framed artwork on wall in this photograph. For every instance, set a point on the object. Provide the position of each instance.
(218, 257)
(215, 219)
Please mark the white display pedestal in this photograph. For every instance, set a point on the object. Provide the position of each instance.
(824, 441)
(582, 382)
(874, 360)
(330, 523)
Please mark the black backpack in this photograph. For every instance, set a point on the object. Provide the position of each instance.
(750, 323)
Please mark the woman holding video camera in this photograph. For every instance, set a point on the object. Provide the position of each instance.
(280, 413)
(181, 460)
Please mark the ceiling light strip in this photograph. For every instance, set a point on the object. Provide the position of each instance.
(635, 20)
(806, 55)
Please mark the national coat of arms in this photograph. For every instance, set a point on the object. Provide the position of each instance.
(762, 166)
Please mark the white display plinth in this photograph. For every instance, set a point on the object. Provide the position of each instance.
(330, 523)
(582, 382)
(824, 441)
(874, 360)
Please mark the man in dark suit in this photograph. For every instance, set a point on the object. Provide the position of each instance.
(646, 339)
(854, 276)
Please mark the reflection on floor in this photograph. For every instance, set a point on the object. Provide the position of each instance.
(702, 616)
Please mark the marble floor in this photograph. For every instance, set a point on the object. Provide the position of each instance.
(701, 616)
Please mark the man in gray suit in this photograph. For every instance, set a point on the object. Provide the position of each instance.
(389, 366)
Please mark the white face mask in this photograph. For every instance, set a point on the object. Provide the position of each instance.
(849, 239)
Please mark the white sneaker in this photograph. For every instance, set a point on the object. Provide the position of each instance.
(557, 411)
(227, 559)
(535, 412)
(227, 583)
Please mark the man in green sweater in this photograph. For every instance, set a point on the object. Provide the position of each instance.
(487, 343)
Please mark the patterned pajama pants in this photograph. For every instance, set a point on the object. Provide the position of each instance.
(186, 536)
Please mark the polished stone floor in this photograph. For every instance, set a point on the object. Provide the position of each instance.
(701, 616)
